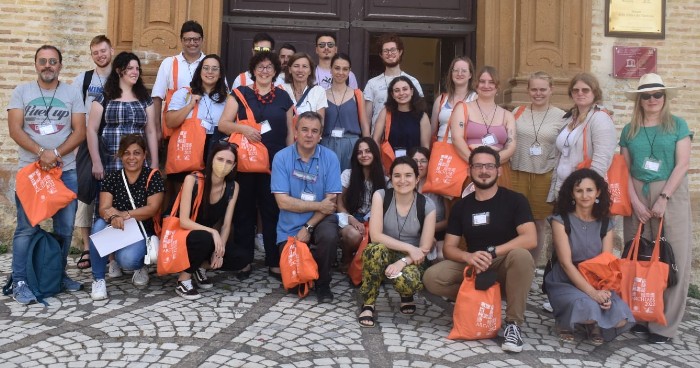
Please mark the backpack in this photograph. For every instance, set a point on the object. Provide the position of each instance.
(86, 83)
(567, 228)
(45, 266)
(420, 206)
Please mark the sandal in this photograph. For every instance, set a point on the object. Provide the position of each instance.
(566, 336)
(595, 336)
(366, 320)
(407, 305)
(85, 261)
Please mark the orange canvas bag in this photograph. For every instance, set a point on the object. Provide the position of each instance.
(167, 132)
(172, 253)
(387, 152)
(643, 282)
(602, 272)
(41, 193)
(355, 269)
(477, 313)
(298, 266)
(434, 137)
(252, 157)
(447, 171)
(186, 145)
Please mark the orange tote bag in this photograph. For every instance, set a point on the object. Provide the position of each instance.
(355, 269)
(387, 152)
(252, 156)
(477, 313)
(186, 146)
(298, 266)
(447, 171)
(42, 193)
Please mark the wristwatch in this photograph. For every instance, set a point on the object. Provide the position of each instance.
(309, 228)
(665, 196)
(492, 251)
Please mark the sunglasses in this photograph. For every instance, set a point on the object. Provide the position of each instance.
(225, 143)
(43, 61)
(261, 49)
(646, 96)
(330, 45)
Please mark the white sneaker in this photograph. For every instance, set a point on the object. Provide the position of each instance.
(99, 290)
(114, 269)
(548, 307)
(140, 277)
(259, 243)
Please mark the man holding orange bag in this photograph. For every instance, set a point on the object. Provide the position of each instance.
(46, 119)
(499, 229)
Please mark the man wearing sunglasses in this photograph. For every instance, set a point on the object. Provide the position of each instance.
(326, 48)
(46, 119)
(261, 42)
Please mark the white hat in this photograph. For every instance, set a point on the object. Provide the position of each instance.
(651, 82)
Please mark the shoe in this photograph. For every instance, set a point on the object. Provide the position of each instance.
(276, 275)
(244, 274)
(513, 342)
(140, 277)
(594, 334)
(658, 339)
(99, 290)
(639, 329)
(548, 307)
(200, 277)
(70, 285)
(83, 262)
(324, 294)
(186, 290)
(22, 294)
(259, 243)
(367, 320)
(114, 269)
(407, 305)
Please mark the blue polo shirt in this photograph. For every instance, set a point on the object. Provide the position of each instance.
(292, 176)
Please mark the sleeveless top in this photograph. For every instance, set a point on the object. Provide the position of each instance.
(405, 130)
(475, 131)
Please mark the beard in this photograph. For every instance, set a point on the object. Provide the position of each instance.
(48, 76)
(485, 185)
(391, 65)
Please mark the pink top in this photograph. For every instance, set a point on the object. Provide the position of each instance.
(475, 131)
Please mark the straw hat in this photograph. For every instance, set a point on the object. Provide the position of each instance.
(651, 82)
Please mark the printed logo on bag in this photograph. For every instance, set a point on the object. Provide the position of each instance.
(249, 149)
(292, 261)
(44, 185)
(615, 194)
(444, 168)
(184, 147)
(640, 294)
(169, 246)
(486, 318)
(46, 115)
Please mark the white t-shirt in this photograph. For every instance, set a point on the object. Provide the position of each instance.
(445, 113)
(375, 91)
(325, 79)
(249, 81)
(209, 110)
(314, 100)
(164, 79)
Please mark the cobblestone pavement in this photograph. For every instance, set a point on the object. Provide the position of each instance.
(254, 323)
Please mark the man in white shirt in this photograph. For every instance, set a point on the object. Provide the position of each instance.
(326, 48)
(391, 52)
(261, 42)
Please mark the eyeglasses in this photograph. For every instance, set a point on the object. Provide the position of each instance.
(261, 49)
(483, 166)
(658, 95)
(576, 91)
(191, 39)
(212, 69)
(330, 45)
(460, 71)
(265, 68)
(421, 162)
(392, 50)
(43, 61)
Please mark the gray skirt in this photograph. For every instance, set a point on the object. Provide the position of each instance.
(342, 148)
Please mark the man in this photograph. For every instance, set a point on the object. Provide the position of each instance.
(499, 229)
(326, 48)
(305, 182)
(91, 83)
(177, 71)
(391, 52)
(286, 51)
(46, 119)
(261, 42)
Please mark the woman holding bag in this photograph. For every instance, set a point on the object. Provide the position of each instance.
(584, 202)
(206, 243)
(145, 187)
(656, 146)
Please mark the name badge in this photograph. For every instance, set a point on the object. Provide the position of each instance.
(308, 197)
(265, 127)
(400, 152)
(482, 218)
(535, 150)
(652, 164)
(338, 132)
(489, 140)
(308, 177)
(47, 129)
(208, 126)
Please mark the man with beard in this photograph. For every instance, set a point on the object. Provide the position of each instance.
(46, 119)
(286, 51)
(499, 229)
(91, 83)
(391, 52)
(326, 48)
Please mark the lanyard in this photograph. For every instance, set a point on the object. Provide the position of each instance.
(651, 142)
(396, 209)
(488, 126)
(337, 106)
(46, 116)
(537, 131)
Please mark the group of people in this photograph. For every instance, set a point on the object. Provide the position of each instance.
(324, 175)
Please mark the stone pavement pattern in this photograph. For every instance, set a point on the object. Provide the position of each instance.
(254, 323)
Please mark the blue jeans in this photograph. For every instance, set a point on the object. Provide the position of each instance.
(129, 258)
(62, 225)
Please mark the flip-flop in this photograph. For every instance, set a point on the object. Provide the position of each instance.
(566, 336)
(84, 260)
(366, 321)
(407, 305)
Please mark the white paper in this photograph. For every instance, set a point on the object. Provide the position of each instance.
(109, 239)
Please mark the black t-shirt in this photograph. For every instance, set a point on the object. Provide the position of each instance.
(114, 184)
(490, 222)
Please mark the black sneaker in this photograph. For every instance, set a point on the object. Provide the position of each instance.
(658, 339)
(324, 294)
(200, 277)
(186, 290)
(513, 342)
(639, 329)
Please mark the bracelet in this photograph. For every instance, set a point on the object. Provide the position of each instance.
(404, 260)
(665, 196)
(41, 150)
(127, 213)
(55, 152)
(112, 218)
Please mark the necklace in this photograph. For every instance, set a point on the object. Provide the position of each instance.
(488, 126)
(266, 99)
(396, 210)
(537, 130)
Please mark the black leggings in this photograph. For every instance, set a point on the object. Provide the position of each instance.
(200, 247)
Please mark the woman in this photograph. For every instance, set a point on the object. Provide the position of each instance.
(272, 108)
(421, 156)
(536, 130)
(344, 123)
(400, 240)
(146, 187)
(458, 89)
(301, 86)
(585, 201)
(205, 244)
(364, 177)
(585, 117)
(487, 123)
(656, 147)
(410, 126)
